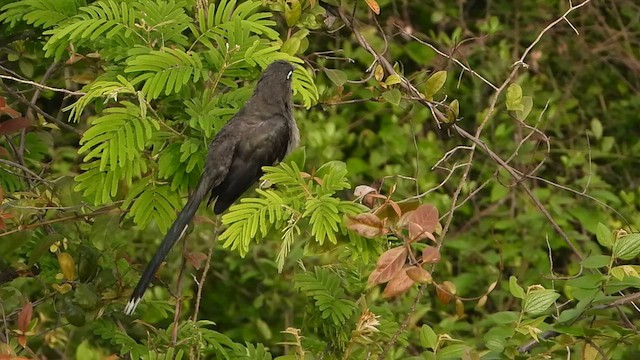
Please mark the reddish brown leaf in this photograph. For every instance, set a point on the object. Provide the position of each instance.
(430, 255)
(196, 259)
(446, 292)
(22, 340)
(374, 278)
(373, 5)
(419, 274)
(389, 264)
(13, 125)
(400, 283)
(3, 101)
(421, 222)
(9, 111)
(25, 317)
(366, 224)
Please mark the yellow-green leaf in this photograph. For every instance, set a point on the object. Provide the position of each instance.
(337, 77)
(392, 79)
(435, 83)
(515, 289)
(514, 98)
(538, 301)
(627, 247)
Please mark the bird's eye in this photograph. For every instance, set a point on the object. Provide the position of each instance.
(289, 75)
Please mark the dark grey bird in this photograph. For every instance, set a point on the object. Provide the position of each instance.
(260, 134)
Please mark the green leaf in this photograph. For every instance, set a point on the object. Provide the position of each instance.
(527, 105)
(538, 301)
(604, 236)
(455, 351)
(392, 80)
(292, 12)
(515, 289)
(338, 77)
(392, 96)
(627, 247)
(514, 98)
(596, 261)
(435, 83)
(428, 337)
(596, 128)
(291, 46)
(504, 317)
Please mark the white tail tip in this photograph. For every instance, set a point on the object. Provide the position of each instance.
(131, 306)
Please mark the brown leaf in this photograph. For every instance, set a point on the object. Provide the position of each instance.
(373, 5)
(9, 111)
(25, 317)
(196, 259)
(421, 222)
(3, 101)
(446, 292)
(430, 255)
(387, 211)
(390, 263)
(13, 125)
(400, 283)
(420, 275)
(22, 340)
(395, 207)
(366, 224)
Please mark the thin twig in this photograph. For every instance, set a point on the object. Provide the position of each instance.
(44, 87)
(26, 102)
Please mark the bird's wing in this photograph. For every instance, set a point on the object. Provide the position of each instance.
(264, 143)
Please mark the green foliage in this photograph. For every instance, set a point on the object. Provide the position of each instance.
(38, 13)
(296, 200)
(325, 289)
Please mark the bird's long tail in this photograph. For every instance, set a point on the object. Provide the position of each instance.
(177, 230)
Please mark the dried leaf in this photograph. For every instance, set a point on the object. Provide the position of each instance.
(13, 125)
(400, 283)
(9, 111)
(25, 317)
(362, 190)
(482, 302)
(430, 255)
(389, 264)
(420, 275)
(196, 259)
(366, 224)
(421, 222)
(446, 292)
(373, 5)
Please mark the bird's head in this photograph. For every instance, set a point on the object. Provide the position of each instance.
(277, 77)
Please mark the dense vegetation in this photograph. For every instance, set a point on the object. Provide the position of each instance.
(467, 185)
